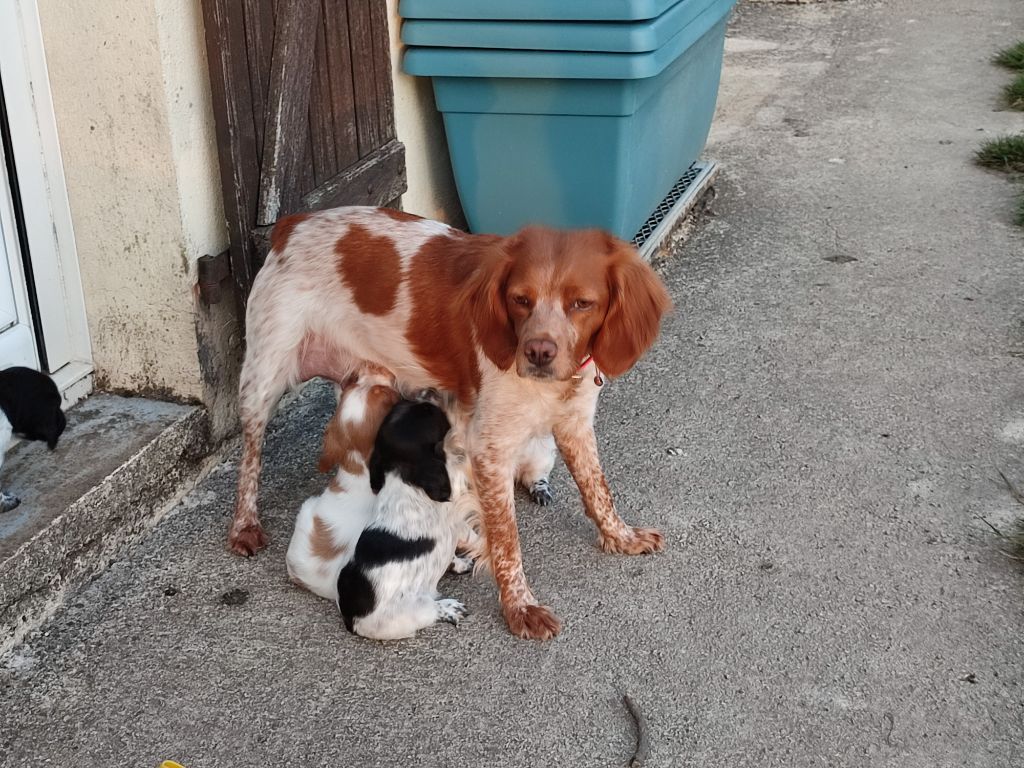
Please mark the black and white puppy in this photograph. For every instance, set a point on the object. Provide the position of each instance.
(30, 408)
(388, 590)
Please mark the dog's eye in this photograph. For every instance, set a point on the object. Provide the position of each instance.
(522, 301)
(582, 304)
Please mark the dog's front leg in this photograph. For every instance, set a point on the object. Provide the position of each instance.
(578, 445)
(494, 485)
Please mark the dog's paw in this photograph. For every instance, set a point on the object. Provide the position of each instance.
(451, 611)
(248, 541)
(461, 564)
(636, 541)
(8, 501)
(532, 622)
(540, 492)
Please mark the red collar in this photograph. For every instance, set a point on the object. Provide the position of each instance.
(598, 378)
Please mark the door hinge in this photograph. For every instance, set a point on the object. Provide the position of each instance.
(212, 271)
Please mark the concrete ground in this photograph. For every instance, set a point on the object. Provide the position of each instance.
(119, 464)
(818, 432)
(102, 431)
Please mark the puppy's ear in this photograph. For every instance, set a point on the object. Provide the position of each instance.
(335, 446)
(55, 429)
(638, 300)
(376, 465)
(432, 477)
(484, 299)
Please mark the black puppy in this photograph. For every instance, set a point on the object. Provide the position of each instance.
(30, 405)
(388, 589)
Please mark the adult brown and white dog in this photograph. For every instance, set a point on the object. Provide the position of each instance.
(519, 329)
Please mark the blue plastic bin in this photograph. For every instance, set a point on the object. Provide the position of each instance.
(544, 10)
(570, 138)
(614, 37)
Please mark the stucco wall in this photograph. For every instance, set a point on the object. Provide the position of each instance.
(419, 126)
(131, 96)
(186, 88)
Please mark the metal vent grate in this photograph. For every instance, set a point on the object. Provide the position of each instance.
(675, 202)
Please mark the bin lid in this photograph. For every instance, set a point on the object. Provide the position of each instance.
(614, 37)
(589, 65)
(540, 10)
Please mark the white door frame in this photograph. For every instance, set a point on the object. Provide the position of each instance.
(44, 198)
(18, 342)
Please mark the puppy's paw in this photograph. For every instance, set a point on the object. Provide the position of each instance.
(8, 501)
(248, 541)
(540, 492)
(532, 622)
(451, 611)
(635, 541)
(461, 564)
(429, 395)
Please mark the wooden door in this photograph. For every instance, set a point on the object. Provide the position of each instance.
(304, 106)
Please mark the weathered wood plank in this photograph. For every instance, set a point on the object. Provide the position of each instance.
(258, 16)
(321, 116)
(291, 72)
(382, 69)
(364, 76)
(236, 139)
(374, 180)
(339, 68)
(302, 182)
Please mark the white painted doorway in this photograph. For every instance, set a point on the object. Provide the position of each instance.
(38, 261)
(17, 332)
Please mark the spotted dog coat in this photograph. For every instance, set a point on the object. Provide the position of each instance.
(329, 525)
(502, 324)
(388, 589)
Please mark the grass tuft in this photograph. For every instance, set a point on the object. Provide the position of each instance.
(1013, 93)
(1012, 57)
(1004, 153)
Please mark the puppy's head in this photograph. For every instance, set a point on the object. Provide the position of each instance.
(548, 298)
(349, 436)
(31, 402)
(45, 425)
(411, 443)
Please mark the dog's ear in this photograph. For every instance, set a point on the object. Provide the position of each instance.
(376, 466)
(335, 446)
(637, 302)
(485, 300)
(432, 477)
(55, 429)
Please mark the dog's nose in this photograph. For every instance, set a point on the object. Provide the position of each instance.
(541, 351)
